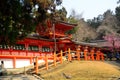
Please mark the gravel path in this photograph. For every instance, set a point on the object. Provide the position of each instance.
(116, 63)
(18, 77)
(30, 77)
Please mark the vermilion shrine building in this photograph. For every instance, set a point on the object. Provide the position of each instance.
(45, 43)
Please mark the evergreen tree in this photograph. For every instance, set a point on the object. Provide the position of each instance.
(18, 18)
(96, 21)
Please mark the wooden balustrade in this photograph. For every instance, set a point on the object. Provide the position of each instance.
(61, 55)
(92, 54)
(85, 53)
(98, 54)
(36, 65)
(54, 57)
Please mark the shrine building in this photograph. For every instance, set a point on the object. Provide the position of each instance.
(45, 42)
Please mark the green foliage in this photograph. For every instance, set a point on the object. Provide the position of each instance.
(118, 1)
(117, 11)
(107, 13)
(16, 21)
(72, 31)
(95, 22)
(74, 17)
(73, 20)
(61, 14)
(86, 39)
(18, 18)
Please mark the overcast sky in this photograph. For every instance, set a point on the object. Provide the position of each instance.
(89, 8)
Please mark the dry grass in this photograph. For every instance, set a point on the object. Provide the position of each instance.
(82, 70)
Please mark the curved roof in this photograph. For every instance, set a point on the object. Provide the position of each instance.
(64, 25)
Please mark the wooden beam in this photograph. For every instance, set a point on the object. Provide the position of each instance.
(14, 62)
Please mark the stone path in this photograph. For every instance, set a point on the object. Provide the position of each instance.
(18, 77)
(116, 63)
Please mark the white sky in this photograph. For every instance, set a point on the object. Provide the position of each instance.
(89, 8)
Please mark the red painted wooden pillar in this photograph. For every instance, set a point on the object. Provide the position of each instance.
(78, 52)
(69, 55)
(54, 59)
(36, 65)
(14, 62)
(46, 61)
(61, 55)
(92, 54)
(102, 56)
(98, 54)
(85, 52)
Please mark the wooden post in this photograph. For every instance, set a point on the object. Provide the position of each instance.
(54, 59)
(14, 62)
(78, 52)
(36, 65)
(61, 55)
(46, 61)
(69, 55)
(30, 60)
(102, 56)
(85, 53)
(92, 54)
(98, 54)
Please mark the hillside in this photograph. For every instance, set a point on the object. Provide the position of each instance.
(84, 32)
(96, 28)
(109, 25)
(82, 70)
